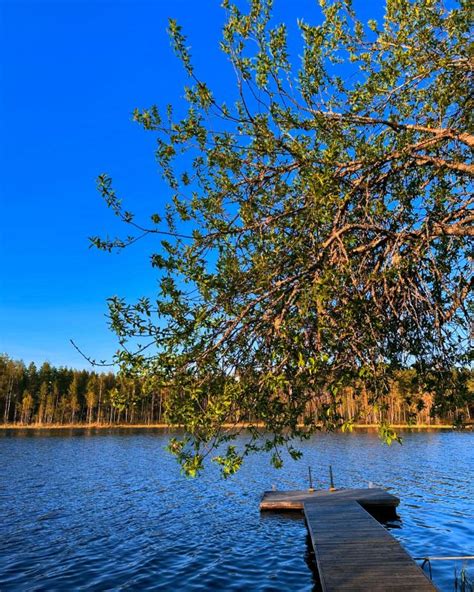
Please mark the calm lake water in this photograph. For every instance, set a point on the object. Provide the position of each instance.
(99, 510)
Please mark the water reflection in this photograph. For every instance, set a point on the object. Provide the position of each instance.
(310, 560)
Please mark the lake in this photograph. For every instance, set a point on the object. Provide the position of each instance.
(109, 510)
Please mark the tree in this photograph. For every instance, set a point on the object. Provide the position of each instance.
(43, 398)
(92, 396)
(73, 397)
(318, 231)
(27, 404)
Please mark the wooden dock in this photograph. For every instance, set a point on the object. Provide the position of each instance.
(353, 551)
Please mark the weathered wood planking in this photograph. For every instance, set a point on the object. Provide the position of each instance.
(354, 553)
(294, 500)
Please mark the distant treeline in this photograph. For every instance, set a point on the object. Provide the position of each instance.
(49, 395)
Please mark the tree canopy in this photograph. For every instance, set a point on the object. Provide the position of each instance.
(319, 229)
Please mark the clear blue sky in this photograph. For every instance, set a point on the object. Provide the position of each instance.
(71, 73)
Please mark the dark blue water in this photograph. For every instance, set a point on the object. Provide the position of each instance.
(85, 510)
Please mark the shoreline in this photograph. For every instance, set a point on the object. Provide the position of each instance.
(163, 426)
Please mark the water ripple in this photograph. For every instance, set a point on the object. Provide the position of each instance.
(112, 512)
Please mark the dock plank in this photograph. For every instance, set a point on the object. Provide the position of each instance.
(294, 500)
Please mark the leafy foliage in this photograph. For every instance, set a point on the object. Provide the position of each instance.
(318, 233)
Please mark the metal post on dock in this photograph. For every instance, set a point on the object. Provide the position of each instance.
(311, 488)
(331, 480)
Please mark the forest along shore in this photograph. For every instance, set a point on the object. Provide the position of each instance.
(164, 426)
(50, 397)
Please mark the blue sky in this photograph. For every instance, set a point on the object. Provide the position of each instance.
(71, 73)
